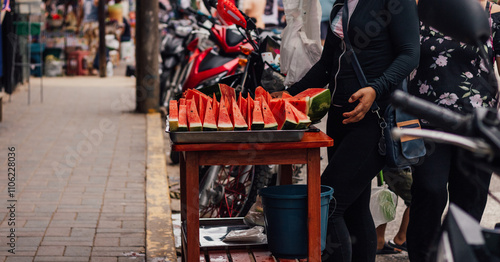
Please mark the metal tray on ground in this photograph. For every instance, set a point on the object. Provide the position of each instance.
(213, 230)
(246, 136)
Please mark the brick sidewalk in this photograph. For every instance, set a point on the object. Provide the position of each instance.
(80, 177)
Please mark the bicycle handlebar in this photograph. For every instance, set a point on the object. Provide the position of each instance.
(436, 115)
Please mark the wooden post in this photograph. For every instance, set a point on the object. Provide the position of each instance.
(146, 53)
(102, 38)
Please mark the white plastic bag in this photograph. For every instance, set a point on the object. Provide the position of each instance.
(300, 40)
(383, 203)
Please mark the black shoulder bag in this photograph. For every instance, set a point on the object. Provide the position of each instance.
(399, 153)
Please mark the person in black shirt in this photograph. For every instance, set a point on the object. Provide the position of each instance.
(385, 36)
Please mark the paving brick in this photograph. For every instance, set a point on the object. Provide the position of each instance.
(19, 259)
(58, 232)
(82, 232)
(106, 242)
(60, 259)
(77, 251)
(104, 259)
(50, 251)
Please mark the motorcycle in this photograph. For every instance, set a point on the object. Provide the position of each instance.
(229, 191)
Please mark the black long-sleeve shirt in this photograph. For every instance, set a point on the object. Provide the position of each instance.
(385, 36)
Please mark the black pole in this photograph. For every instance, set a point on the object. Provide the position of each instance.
(102, 38)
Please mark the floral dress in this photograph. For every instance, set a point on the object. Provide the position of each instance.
(451, 73)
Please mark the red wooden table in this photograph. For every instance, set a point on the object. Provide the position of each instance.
(305, 151)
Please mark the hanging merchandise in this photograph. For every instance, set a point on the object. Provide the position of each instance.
(301, 41)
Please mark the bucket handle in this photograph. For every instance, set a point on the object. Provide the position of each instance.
(334, 207)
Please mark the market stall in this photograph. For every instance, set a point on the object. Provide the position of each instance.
(304, 151)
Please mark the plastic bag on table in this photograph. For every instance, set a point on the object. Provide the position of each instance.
(254, 234)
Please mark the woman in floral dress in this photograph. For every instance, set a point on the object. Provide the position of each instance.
(450, 74)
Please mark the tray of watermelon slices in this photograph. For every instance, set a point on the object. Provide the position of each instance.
(224, 117)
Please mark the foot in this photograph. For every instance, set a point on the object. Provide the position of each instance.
(386, 250)
(393, 244)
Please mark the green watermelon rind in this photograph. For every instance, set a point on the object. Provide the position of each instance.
(319, 104)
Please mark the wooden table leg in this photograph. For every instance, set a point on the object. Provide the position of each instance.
(314, 204)
(182, 166)
(191, 207)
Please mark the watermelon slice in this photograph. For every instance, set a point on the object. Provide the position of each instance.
(182, 118)
(302, 104)
(201, 109)
(269, 120)
(242, 104)
(182, 101)
(193, 118)
(284, 115)
(224, 122)
(215, 107)
(260, 91)
(210, 123)
(237, 118)
(302, 119)
(249, 111)
(274, 102)
(219, 90)
(190, 93)
(257, 118)
(173, 116)
(286, 95)
(319, 102)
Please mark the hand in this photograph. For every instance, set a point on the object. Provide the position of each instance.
(365, 96)
(278, 94)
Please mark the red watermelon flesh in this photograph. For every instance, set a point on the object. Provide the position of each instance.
(286, 95)
(182, 118)
(242, 104)
(193, 117)
(301, 118)
(201, 109)
(193, 93)
(284, 115)
(302, 104)
(273, 103)
(182, 101)
(257, 118)
(173, 116)
(227, 91)
(210, 123)
(238, 119)
(250, 105)
(269, 120)
(224, 121)
(215, 107)
(260, 91)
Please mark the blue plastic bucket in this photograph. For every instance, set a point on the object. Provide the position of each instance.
(285, 213)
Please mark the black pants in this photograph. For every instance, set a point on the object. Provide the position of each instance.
(353, 162)
(440, 175)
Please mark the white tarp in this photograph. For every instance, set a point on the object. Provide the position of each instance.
(300, 40)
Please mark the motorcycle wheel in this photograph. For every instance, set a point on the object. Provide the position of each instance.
(232, 191)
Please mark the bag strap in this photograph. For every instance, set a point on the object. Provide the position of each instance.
(351, 56)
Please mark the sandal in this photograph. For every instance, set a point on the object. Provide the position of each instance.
(386, 250)
(393, 244)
